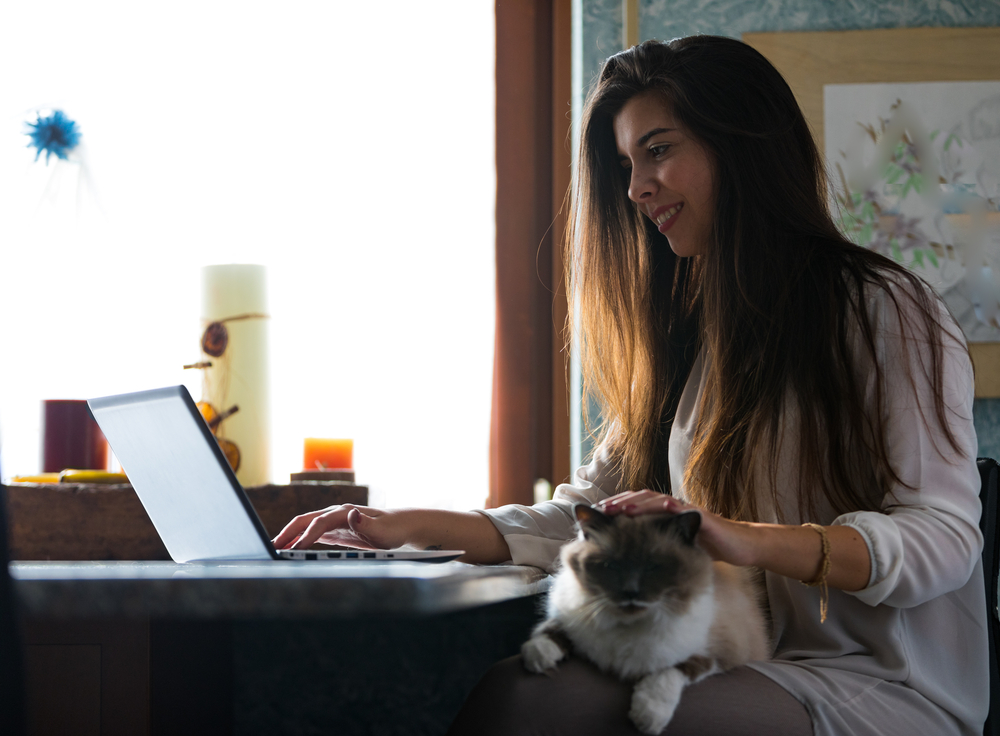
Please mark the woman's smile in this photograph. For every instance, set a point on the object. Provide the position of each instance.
(666, 216)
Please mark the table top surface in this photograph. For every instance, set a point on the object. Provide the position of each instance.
(267, 589)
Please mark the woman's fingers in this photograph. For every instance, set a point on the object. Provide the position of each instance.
(319, 526)
(616, 504)
(294, 529)
(639, 502)
(649, 505)
(304, 530)
(353, 526)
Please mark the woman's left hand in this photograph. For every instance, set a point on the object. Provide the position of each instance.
(729, 541)
(790, 550)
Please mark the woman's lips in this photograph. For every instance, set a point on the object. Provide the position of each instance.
(665, 217)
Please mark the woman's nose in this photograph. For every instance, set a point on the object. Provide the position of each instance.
(640, 186)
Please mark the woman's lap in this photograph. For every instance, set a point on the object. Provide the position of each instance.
(578, 699)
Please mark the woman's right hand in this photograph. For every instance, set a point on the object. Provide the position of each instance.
(349, 525)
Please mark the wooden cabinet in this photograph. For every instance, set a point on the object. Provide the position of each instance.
(87, 678)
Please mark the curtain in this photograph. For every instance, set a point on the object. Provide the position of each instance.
(529, 437)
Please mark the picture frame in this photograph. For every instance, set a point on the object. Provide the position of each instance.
(810, 60)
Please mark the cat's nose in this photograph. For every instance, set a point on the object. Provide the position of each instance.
(630, 587)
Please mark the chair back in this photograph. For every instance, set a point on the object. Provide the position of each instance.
(12, 710)
(989, 471)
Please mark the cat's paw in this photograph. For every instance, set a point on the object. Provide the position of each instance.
(655, 699)
(540, 653)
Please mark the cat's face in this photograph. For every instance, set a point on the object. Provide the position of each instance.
(633, 565)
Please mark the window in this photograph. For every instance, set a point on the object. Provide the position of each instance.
(346, 146)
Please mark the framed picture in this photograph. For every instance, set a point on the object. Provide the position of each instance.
(909, 123)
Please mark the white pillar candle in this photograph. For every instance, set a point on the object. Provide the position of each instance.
(235, 296)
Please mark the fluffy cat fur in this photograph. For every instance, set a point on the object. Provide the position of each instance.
(639, 599)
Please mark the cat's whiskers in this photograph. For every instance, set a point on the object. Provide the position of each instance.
(592, 609)
(590, 612)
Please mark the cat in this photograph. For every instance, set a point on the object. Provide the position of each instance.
(638, 598)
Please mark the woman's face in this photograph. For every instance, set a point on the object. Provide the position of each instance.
(671, 174)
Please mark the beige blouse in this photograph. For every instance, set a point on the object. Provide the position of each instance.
(908, 653)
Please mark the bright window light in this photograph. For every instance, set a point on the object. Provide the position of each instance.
(347, 146)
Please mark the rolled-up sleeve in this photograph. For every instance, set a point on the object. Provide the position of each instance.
(926, 540)
(535, 533)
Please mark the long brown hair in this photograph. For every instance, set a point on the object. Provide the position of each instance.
(780, 302)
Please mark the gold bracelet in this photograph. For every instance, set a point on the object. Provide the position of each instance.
(820, 581)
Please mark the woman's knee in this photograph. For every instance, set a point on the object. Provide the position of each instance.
(578, 699)
(741, 702)
(573, 699)
(495, 702)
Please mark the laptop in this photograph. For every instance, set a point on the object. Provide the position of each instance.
(191, 494)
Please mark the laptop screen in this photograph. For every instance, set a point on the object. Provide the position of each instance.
(181, 476)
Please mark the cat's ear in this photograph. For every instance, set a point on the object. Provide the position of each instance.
(685, 525)
(590, 517)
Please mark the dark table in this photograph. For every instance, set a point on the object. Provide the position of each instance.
(265, 648)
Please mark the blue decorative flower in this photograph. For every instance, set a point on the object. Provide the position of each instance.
(55, 134)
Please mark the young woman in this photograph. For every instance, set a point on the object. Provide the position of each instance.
(751, 363)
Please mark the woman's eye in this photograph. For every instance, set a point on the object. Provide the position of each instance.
(660, 149)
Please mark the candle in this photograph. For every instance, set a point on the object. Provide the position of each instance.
(234, 341)
(328, 454)
(70, 437)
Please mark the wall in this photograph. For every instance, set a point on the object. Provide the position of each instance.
(598, 34)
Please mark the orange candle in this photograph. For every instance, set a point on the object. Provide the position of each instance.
(327, 454)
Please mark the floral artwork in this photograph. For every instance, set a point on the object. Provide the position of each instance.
(915, 170)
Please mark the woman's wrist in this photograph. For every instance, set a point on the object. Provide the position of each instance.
(736, 542)
(439, 529)
(750, 542)
(414, 527)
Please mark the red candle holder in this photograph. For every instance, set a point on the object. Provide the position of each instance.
(71, 437)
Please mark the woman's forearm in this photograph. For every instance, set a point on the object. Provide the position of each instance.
(430, 528)
(797, 552)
